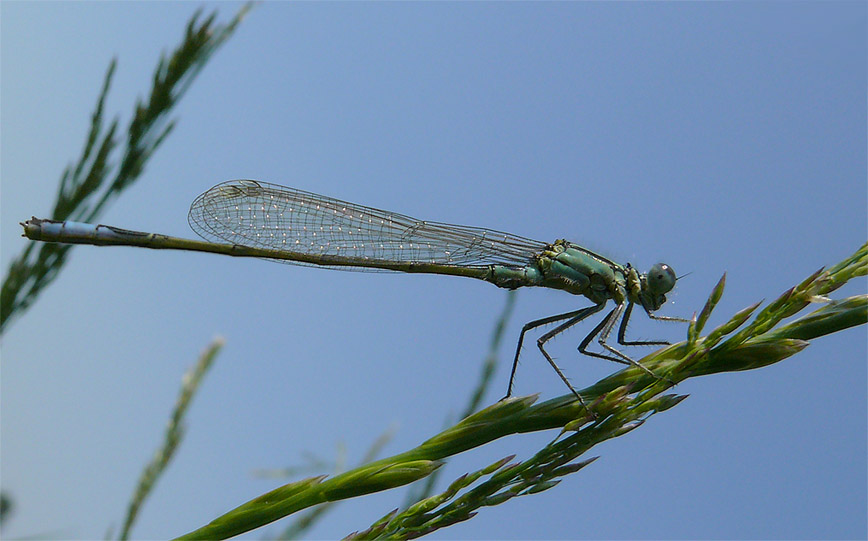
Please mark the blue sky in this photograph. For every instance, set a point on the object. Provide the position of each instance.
(718, 137)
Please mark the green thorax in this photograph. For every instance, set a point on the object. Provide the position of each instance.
(581, 272)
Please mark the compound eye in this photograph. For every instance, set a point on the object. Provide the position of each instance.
(660, 279)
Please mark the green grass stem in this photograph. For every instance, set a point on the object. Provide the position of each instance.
(622, 402)
(173, 437)
(88, 185)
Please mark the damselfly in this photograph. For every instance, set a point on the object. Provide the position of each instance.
(247, 218)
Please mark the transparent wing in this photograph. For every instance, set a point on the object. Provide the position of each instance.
(262, 215)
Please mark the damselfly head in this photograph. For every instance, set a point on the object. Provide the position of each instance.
(657, 282)
(660, 279)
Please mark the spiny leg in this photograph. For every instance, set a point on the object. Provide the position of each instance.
(622, 330)
(533, 325)
(666, 318)
(579, 316)
(603, 330)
